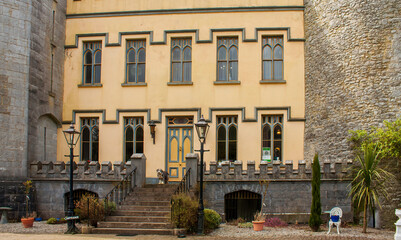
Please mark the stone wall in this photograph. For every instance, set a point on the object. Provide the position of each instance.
(289, 195)
(353, 72)
(12, 194)
(31, 78)
(50, 194)
(289, 200)
(45, 75)
(15, 18)
(51, 180)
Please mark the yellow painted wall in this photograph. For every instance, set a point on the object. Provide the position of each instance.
(91, 6)
(202, 94)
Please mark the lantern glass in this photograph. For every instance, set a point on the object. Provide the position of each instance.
(202, 128)
(71, 136)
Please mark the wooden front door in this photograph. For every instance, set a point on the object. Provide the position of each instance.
(180, 137)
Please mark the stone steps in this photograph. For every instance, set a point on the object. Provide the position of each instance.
(144, 208)
(140, 213)
(137, 219)
(145, 211)
(145, 203)
(148, 198)
(133, 231)
(146, 225)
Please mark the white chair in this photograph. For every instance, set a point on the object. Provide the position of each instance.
(335, 219)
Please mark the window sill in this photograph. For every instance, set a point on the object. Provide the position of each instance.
(226, 82)
(141, 84)
(97, 85)
(180, 83)
(273, 81)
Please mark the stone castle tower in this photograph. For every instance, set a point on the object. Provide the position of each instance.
(32, 37)
(31, 85)
(353, 72)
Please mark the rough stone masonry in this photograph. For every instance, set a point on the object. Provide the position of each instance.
(353, 74)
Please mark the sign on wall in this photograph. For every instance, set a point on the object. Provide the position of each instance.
(266, 154)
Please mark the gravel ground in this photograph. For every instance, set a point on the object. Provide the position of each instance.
(43, 231)
(296, 232)
(38, 228)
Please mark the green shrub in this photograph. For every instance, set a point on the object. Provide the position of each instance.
(245, 225)
(236, 221)
(316, 209)
(184, 213)
(51, 221)
(109, 207)
(212, 219)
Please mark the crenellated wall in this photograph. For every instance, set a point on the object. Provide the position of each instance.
(275, 171)
(289, 194)
(51, 180)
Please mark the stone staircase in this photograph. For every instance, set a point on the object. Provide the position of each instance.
(145, 211)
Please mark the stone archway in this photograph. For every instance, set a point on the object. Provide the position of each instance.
(241, 204)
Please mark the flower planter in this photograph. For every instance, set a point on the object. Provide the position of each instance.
(258, 225)
(397, 235)
(27, 222)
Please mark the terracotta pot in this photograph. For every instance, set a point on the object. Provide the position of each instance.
(258, 225)
(27, 222)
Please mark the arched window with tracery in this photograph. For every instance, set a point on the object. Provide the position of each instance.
(272, 57)
(227, 138)
(92, 61)
(136, 60)
(181, 60)
(133, 136)
(272, 137)
(89, 139)
(227, 59)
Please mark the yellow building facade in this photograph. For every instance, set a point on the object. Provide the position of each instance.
(129, 64)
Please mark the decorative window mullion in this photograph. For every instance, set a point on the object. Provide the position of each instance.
(137, 46)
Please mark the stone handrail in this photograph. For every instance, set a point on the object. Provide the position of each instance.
(89, 171)
(273, 171)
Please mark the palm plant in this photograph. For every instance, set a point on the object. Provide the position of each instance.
(368, 183)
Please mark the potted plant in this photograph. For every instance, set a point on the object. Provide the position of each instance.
(27, 220)
(259, 220)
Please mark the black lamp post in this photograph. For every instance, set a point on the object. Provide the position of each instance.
(72, 137)
(201, 128)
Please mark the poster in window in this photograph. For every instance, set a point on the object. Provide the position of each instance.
(266, 154)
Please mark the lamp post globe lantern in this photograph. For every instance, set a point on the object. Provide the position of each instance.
(72, 137)
(202, 127)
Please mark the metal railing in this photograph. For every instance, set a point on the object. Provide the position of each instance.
(185, 184)
(183, 187)
(120, 191)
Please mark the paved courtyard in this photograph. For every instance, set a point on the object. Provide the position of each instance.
(43, 231)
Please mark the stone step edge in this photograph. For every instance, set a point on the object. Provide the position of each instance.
(159, 224)
(138, 231)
